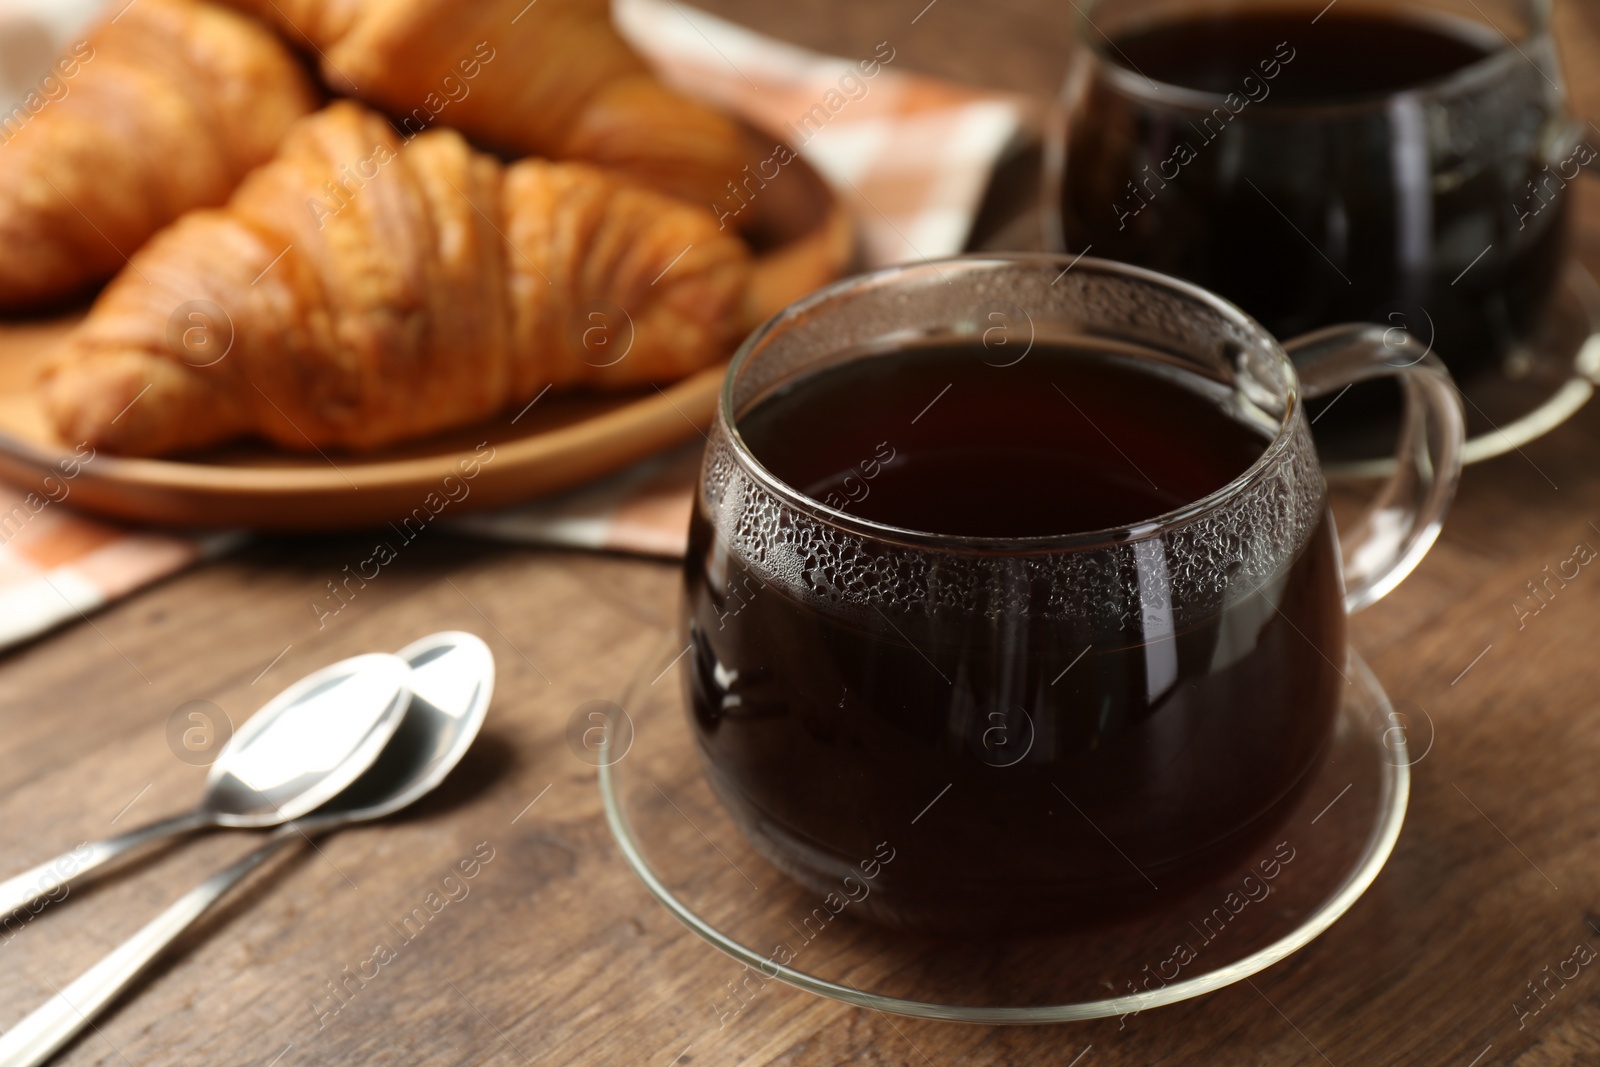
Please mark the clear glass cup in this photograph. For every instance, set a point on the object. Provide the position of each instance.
(1012, 706)
(1434, 206)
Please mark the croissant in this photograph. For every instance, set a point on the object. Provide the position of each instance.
(357, 291)
(551, 78)
(162, 109)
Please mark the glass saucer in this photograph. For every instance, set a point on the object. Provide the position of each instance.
(679, 841)
(1531, 391)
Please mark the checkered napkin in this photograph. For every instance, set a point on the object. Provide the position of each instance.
(57, 565)
(910, 155)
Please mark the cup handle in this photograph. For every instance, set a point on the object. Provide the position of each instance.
(1405, 516)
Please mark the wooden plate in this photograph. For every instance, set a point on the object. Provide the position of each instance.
(804, 239)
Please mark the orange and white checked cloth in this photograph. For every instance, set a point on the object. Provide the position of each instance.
(911, 155)
(57, 565)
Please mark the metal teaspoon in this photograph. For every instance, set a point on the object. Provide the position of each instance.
(452, 681)
(304, 746)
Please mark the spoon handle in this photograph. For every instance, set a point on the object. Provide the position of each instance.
(58, 1020)
(31, 886)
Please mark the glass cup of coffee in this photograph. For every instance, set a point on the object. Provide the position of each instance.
(1401, 162)
(1019, 571)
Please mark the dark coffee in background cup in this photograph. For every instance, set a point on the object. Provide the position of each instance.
(1402, 164)
(1049, 734)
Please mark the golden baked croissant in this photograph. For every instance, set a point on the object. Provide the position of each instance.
(357, 291)
(551, 78)
(160, 110)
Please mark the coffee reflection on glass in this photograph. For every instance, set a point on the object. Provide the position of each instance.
(1027, 574)
(1403, 163)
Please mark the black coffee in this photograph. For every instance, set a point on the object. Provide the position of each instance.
(828, 731)
(1306, 207)
(936, 439)
(1346, 55)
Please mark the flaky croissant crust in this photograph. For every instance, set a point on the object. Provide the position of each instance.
(362, 289)
(551, 78)
(160, 110)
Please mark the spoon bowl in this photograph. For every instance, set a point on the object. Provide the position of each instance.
(303, 747)
(309, 742)
(451, 684)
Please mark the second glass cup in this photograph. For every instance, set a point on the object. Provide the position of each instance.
(1402, 162)
(1014, 684)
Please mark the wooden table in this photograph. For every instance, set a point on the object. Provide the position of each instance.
(556, 954)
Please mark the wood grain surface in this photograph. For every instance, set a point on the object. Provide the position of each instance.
(555, 954)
